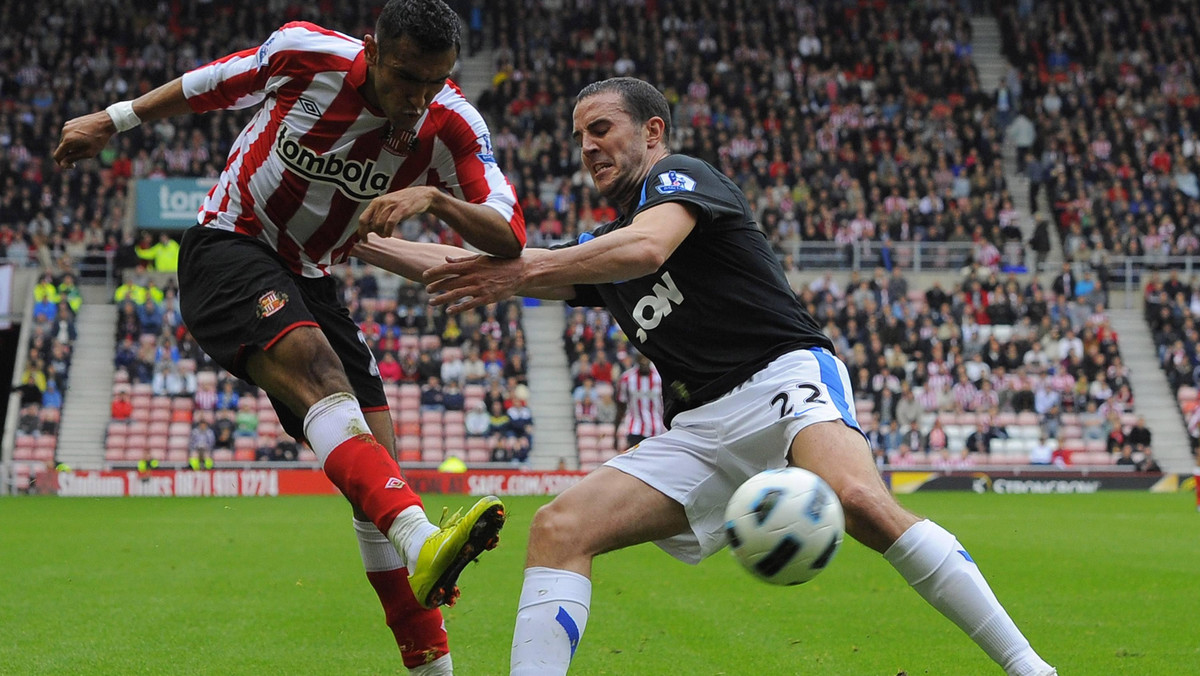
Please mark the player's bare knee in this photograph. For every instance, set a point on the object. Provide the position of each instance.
(873, 517)
(554, 533)
(858, 500)
(865, 510)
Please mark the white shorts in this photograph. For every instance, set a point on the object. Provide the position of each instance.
(710, 450)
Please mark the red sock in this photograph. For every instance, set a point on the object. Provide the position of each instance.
(370, 479)
(420, 633)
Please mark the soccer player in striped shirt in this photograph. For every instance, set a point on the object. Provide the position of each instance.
(639, 404)
(350, 137)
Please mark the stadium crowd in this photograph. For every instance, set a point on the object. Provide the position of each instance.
(440, 371)
(1110, 92)
(858, 122)
(841, 123)
(45, 378)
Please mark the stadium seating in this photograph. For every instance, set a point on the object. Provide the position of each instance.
(163, 423)
(786, 140)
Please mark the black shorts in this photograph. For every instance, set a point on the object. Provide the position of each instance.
(236, 295)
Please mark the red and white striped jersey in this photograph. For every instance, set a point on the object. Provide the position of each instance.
(317, 152)
(642, 395)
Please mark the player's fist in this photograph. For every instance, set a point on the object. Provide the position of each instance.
(83, 137)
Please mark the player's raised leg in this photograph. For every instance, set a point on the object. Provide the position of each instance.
(606, 511)
(930, 558)
(302, 370)
(420, 632)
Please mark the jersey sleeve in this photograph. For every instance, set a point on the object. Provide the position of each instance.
(469, 169)
(678, 178)
(244, 79)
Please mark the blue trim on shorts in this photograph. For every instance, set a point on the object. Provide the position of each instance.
(833, 382)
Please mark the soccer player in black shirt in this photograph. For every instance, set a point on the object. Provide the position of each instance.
(750, 381)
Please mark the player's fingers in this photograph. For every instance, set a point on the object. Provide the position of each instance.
(446, 298)
(442, 271)
(364, 221)
(462, 298)
(470, 304)
(467, 303)
(444, 283)
(387, 228)
(66, 154)
(454, 266)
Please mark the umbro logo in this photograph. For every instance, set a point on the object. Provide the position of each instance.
(309, 106)
(394, 483)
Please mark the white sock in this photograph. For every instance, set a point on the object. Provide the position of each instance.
(551, 617)
(442, 666)
(331, 421)
(376, 550)
(942, 572)
(409, 532)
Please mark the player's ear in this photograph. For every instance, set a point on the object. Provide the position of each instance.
(655, 127)
(371, 50)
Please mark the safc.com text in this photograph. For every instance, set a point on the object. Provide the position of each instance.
(535, 483)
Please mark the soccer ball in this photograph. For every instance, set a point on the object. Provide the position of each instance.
(784, 525)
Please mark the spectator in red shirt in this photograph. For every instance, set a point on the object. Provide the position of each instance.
(389, 368)
(602, 368)
(122, 407)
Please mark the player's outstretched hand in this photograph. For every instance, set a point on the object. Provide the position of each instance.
(83, 138)
(467, 282)
(385, 212)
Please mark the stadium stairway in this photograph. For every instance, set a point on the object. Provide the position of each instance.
(86, 408)
(991, 66)
(550, 389)
(1153, 398)
(985, 52)
(475, 73)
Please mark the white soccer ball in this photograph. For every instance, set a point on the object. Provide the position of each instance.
(784, 525)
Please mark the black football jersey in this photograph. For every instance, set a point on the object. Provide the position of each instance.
(720, 308)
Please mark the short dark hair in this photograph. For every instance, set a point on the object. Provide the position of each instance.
(641, 99)
(431, 24)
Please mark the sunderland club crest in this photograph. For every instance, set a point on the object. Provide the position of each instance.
(400, 142)
(271, 302)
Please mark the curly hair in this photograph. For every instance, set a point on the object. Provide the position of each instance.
(431, 24)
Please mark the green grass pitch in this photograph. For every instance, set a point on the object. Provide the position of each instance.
(1101, 584)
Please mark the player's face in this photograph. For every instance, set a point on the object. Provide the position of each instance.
(612, 145)
(405, 78)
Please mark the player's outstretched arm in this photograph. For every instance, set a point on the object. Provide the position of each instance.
(412, 259)
(85, 136)
(633, 251)
(402, 257)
